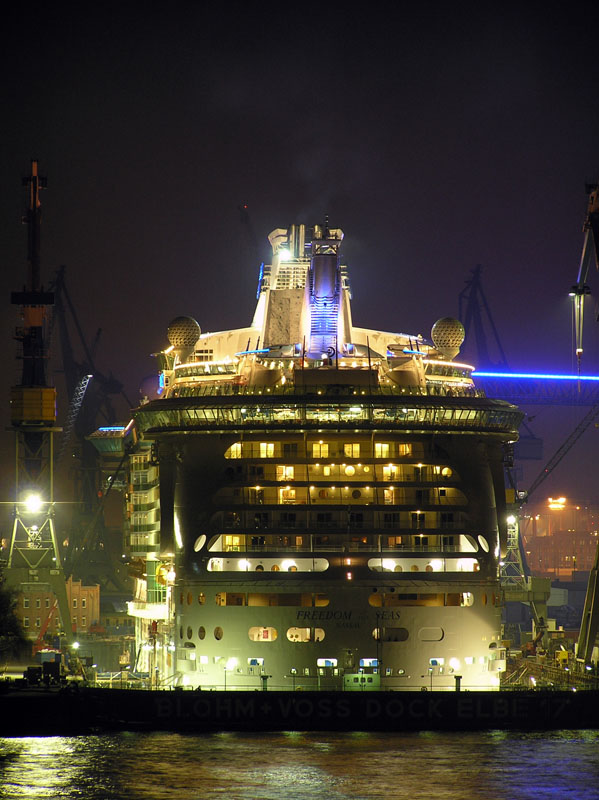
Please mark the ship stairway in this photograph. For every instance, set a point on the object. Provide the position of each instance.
(323, 325)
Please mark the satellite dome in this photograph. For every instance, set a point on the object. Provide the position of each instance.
(448, 334)
(183, 332)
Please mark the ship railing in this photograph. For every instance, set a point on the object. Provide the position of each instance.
(290, 390)
(347, 547)
(424, 548)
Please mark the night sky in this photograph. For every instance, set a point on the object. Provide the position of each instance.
(437, 135)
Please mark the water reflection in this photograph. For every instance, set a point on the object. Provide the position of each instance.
(454, 766)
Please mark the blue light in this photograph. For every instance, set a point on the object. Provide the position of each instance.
(260, 276)
(412, 352)
(535, 376)
(251, 352)
(110, 428)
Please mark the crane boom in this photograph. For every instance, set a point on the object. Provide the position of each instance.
(564, 448)
(590, 252)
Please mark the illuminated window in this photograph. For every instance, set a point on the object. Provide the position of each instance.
(389, 496)
(320, 450)
(267, 449)
(352, 449)
(381, 450)
(285, 473)
(404, 449)
(287, 495)
(262, 634)
(299, 635)
(326, 662)
(390, 472)
(234, 451)
(232, 543)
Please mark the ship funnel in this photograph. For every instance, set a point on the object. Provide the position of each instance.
(325, 291)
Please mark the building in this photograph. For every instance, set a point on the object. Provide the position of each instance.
(37, 609)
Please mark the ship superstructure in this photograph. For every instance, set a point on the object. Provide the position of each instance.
(332, 495)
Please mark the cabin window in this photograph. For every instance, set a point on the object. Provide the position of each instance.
(320, 450)
(285, 473)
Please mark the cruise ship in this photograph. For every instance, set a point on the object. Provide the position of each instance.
(332, 496)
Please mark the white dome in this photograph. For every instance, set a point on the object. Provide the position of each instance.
(448, 332)
(183, 332)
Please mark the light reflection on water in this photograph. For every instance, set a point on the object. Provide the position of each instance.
(492, 765)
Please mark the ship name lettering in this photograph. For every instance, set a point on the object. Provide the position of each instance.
(388, 615)
(323, 616)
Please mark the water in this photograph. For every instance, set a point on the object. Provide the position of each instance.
(492, 765)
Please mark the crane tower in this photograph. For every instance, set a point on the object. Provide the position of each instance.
(34, 561)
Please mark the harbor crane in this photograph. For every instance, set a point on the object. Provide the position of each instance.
(590, 252)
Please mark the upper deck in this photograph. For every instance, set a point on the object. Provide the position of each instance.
(303, 364)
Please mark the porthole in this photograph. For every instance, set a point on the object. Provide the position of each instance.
(349, 471)
(447, 472)
(189, 598)
(189, 632)
(262, 633)
(483, 543)
(356, 494)
(395, 634)
(296, 634)
(201, 598)
(201, 632)
(218, 633)
(199, 543)
(181, 632)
